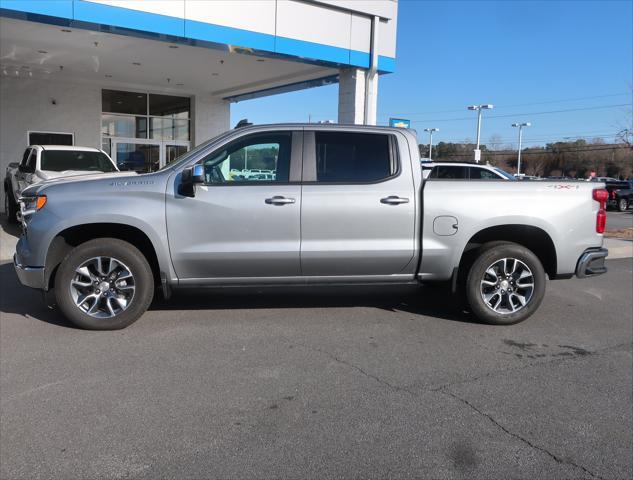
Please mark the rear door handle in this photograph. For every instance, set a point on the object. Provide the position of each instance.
(394, 200)
(279, 200)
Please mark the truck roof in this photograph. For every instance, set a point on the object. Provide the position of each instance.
(66, 148)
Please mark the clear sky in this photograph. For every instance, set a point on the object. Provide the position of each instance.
(525, 57)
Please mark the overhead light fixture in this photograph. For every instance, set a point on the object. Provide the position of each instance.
(139, 96)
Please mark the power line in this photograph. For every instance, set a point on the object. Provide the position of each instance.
(600, 107)
(514, 105)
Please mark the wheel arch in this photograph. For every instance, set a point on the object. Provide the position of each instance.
(534, 238)
(71, 237)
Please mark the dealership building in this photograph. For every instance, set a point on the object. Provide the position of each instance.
(154, 78)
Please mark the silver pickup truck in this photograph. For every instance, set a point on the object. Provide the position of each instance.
(342, 205)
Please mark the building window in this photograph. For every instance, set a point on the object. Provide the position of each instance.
(51, 138)
(146, 116)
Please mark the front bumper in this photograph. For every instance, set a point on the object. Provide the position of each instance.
(591, 263)
(30, 276)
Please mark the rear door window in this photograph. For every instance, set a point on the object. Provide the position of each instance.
(348, 157)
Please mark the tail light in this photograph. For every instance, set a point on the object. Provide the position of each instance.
(613, 192)
(601, 221)
(601, 196)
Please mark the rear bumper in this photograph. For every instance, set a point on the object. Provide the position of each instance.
(29, 276)
(591, 263)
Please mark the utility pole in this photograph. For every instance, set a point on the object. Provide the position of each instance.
(479, 108)
(431, 130)
(520, 125)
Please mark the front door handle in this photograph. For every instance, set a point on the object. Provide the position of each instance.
(394, 200)
(279, 200)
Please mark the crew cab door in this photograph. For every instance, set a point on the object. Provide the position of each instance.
(244, 222)
(358, 213)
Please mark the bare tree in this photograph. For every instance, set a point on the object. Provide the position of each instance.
(494, 142)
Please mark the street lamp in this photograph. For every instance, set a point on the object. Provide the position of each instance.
(479, 108)
(520, 125)
(431, 130)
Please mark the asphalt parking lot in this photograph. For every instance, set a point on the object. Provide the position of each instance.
(334, 383)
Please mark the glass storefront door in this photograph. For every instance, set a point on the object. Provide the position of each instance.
(144, 156)
(172, 152)
(140, 157)
(144, 131)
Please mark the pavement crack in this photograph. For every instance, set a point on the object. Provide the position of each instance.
(528, 365)
(385, 383)
(524, 440)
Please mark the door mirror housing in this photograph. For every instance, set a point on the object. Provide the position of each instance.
(189, 178)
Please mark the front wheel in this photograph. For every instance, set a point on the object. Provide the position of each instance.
(506, 284)
(623, 204)
(104, 284)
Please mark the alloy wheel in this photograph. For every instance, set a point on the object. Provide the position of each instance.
(102, 287)
(507, 286)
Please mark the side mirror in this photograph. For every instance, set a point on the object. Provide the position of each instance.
(189, 177)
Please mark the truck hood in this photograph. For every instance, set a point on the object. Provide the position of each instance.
(81, 180)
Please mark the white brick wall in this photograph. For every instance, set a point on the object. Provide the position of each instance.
(211, 116)
(27, 105)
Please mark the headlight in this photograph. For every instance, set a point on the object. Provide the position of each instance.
(28, 206)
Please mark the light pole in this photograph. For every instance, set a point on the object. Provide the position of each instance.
(479, 108)
(431, 130)
(520, 125)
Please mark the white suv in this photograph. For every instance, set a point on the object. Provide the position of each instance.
(463, 171)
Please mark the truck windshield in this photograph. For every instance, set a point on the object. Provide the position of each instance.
(62, 160)
(504, 174)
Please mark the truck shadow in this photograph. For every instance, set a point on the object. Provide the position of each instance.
(431, 301)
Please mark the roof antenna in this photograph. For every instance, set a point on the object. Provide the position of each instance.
(243, 123)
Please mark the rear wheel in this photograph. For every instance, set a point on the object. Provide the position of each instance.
(623, 204)
(10, 207)
(506, 284)
(104, 284)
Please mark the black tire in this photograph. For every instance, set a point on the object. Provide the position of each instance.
(122, 251)
(10, 206)
(487, 257)
(623, 204)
